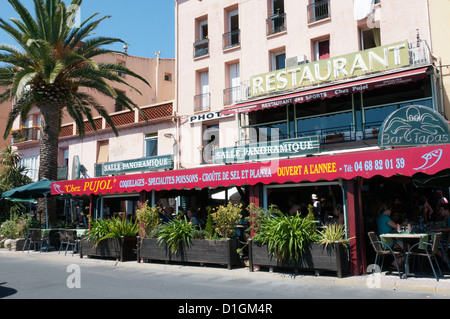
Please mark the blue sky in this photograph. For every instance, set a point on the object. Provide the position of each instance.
(147, 25)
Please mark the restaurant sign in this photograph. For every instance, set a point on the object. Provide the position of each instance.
(376, 59)
(136, 165)
(386, 163)
(267, 150)
(414, 125)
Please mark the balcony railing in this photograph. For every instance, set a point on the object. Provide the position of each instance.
(202, 102)
(276, 23)
(318, 10)
(236, 94)
(231, 39)
(25, 134)
(201, 48)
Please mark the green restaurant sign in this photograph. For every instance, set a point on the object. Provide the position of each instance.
(137, 165)
(267, 150)
(414, 125)
(377, 59)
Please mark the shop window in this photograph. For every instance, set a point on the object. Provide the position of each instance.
(102, 152)
(151, 144)
(324, 116)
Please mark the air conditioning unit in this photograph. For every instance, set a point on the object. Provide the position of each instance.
(417, 55)
(296, 60)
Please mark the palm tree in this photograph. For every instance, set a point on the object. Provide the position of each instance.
(53, 62)
(12, 175)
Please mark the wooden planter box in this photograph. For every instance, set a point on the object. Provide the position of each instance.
(119, 248)
(334, 139)
(317, 257)
(221, 252)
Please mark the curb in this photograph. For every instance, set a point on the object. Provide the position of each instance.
(381, 281)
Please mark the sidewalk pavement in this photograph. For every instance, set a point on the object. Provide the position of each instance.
(385, 280)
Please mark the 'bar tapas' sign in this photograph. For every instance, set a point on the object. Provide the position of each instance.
(414, 125)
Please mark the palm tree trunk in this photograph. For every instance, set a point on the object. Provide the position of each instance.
(48, 162)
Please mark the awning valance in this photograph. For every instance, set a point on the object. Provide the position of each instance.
(404, 161)
(329, 91)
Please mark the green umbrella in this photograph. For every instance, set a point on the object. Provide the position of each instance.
(37, 189)
(440, 179)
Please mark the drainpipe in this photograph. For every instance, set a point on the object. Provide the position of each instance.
(175, 107)
(157, 53)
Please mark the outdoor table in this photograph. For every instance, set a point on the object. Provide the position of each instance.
(405, 236)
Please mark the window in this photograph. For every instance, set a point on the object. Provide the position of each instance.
(122, 63)
(32, 166)
(277, 18)
(151, 144)
(370, 38)
(201, 45)
(231, 37)
(119, 106)
(318, 10)
(201, 100)
(278, 60)
(168, 77)
(233, 93)
(102, 152)
(321, 49)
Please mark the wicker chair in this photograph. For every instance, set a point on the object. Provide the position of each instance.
(72, 240)
(62, 239)
(382, 250)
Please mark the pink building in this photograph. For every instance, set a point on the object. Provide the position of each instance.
(253, 74)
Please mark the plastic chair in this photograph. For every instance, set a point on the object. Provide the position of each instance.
(72, 240)
(382, 250)
(429, 251)
(36, 238)
(62, 239)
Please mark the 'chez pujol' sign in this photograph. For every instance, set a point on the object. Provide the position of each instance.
(337, 68)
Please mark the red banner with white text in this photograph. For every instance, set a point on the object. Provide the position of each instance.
(404, 161)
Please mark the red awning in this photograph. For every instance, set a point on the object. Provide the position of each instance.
(403, 161)
(329, 91)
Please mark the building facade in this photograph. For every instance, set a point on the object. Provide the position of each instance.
(290, 102)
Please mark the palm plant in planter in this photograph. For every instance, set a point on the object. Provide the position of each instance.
(110, 238)
(294, 242)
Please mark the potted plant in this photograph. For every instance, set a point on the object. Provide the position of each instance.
(334, 137)
(375, 132)
(115, 238)
(178, 241)
(294, 242)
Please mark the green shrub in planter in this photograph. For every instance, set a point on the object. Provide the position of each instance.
(175, 234)
(149, 218)
(286, 236)
(111, 228)
(226, 218)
